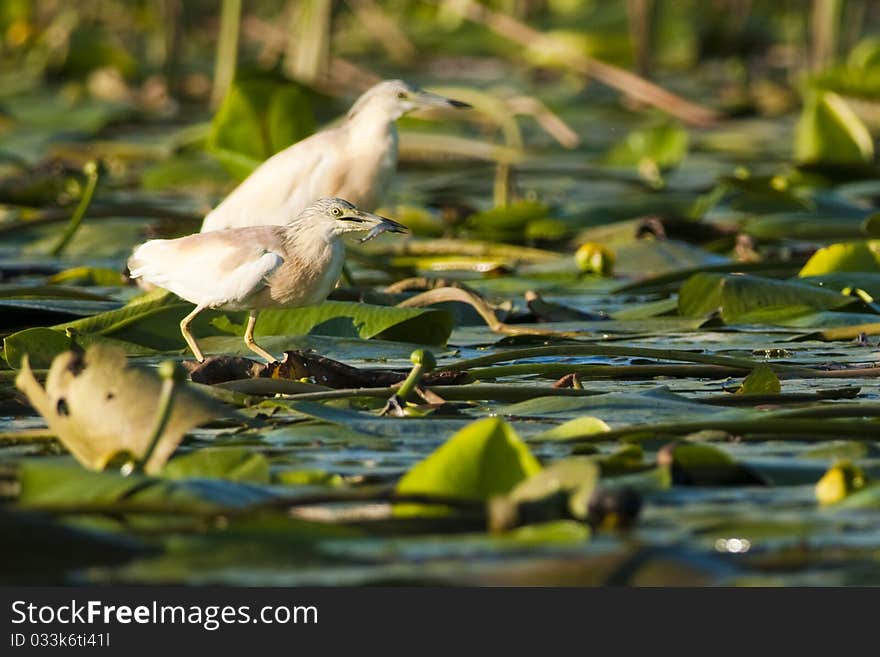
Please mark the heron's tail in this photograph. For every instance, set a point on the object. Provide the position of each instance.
(146, 262)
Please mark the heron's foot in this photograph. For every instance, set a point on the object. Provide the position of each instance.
(257, 349)
(394, 407)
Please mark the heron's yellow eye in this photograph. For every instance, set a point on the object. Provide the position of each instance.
(402, 95)
(336, 212)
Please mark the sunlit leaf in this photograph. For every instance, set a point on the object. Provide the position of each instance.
(98, 406)
(852, 256)
(88, 276)
(580, 426)
(830, 132)
(485, 458)
(841, 480)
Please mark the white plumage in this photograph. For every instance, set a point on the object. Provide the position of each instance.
(354, 161)
(193, 269)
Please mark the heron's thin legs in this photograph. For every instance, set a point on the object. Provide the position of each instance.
(190, 340)
(249, 339)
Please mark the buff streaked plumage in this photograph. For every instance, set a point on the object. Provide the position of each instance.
(257, 267)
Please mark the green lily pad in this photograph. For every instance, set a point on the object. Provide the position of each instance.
(485, 458)
(830, 132)
(231, 463)
(742, 298)
(761, 381)
(61, 483)
(664, 145)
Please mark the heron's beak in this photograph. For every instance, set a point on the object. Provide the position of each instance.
(427, 99)
(375, 224)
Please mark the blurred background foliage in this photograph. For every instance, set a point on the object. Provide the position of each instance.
(746, 102)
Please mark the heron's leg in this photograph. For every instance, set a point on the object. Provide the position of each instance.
(249, 339)
(190, 340)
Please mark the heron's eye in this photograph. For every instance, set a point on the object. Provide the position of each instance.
(402, 95)
(336, 212)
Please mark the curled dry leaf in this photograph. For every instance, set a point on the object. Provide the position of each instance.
(100, 406)
(568, 381)
(218, 369)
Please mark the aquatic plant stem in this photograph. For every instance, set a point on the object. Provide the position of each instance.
(613, 350)
(91, 171)
(423, 362)
(170, 374)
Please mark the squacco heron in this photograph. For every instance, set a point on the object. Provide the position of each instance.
(354, 161)
(257, 267)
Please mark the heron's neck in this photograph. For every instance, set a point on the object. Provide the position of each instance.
(311, 240)
(373, 119)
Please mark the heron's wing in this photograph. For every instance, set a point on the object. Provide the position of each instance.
(283, 186)
(212, 269)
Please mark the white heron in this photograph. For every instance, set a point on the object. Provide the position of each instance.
(354, 161)
(257, 267)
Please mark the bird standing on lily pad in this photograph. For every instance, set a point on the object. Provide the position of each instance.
(354, 161)
(257, 267)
